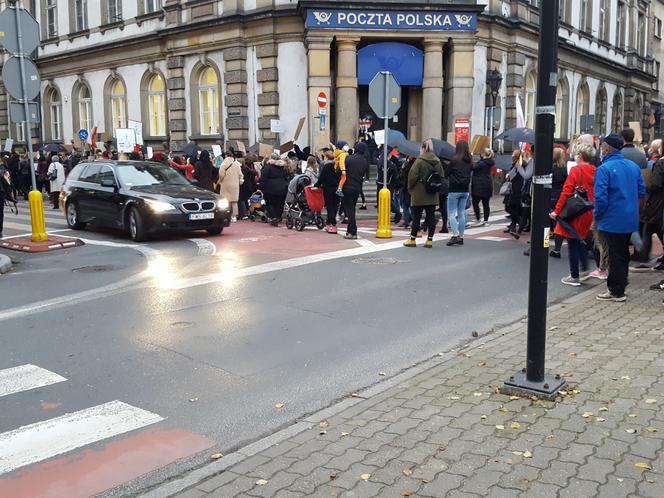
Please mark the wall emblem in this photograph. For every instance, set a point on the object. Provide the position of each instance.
(463, 19)
(323, 17)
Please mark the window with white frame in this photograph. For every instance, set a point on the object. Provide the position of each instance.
(157, 106)
(621, 24)
(20, 132)
(582, 105)
(81, 12)
(208, 100)
(565, 14)
(658, 27)
(114, 11)
(531, 94)
(54, 114)
(84, 108)
(118, 105)
(51, 18)
(641, 34)
(586, 15)
(604, 16)
(152, 6)
(562, 105)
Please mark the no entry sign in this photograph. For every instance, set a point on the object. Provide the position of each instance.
(322, 99)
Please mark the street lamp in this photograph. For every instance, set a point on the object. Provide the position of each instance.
(493, 79)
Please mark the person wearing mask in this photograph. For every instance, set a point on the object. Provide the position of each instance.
(618, 188)
(582, 177)
(629, 151)
(558, 178)
(249, 185)
(357, 167)
(274, 185)
(458, 174)
(230, 179)
(56, 176)
(328, 180)
(204, 171)
(482, 186)
(425, 172)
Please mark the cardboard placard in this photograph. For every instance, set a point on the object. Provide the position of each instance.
(216, 150)
(265, 150)
(277, 126)
(149, 152)
(137, 126)
(78, 144)
(241, 147)
(479, 143)
(126, 138)
(636, 126)
(9, 143)
(287, 147)
(379, 137)
(298, 130)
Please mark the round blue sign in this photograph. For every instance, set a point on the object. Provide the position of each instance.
(83, 134)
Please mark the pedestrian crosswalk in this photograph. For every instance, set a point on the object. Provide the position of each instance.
(19, 224)
(39, 441)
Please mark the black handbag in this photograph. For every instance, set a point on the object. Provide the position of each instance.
(576, 205)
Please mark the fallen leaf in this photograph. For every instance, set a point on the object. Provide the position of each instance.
(407, 472)
(587, 414)
(553, 328)
(441, 354)
(632, 415)
(323, 424)
(216, 456)
(508, 461)
(453, 398)
(575, 391)
(642, 465)
(475, 333)
(625, 377)
(515, 425)
(344, 434)
(550, 436)
(651, 429)
(514, 398)
(650, 481)
(365, 477)
(495, 389)
(355, 395)
(527, 454)
(503, 409)
(651, 401)
(193, 400)
(600, 419)
(279, 405)
(382, 374)
(483, 417)
(620, 480)
(630, 431)
(482, 364)
(517, 453)
(333, 477)
(604, 409)
(261, 482)
(500, 427)
(323, 432)
(572, 354)
(406, 493)
(564, 393)
(477, 394)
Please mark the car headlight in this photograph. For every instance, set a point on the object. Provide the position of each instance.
(223, 204)
(159, 206)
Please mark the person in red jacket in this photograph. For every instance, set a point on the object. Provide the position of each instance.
(581, 177)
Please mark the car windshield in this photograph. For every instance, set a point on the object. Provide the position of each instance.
(144, 174)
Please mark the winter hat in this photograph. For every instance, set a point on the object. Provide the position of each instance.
(614, 140)
(341, 144)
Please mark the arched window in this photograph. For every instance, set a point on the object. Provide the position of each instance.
(601, 110)
(208, 100)
(82, 104)
(157, 106)
(617, 112)
(118, 105)
(531, 93)
(582, 105)
(53, 114)
(562, 109)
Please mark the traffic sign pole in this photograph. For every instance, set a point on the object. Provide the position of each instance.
(35, 197)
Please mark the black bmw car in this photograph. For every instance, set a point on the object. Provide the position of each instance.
(141, 198)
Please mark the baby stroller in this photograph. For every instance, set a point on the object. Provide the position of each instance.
(257, 207)
(304, 206)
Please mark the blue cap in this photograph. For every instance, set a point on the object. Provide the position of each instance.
(341, 144)
(614, 140)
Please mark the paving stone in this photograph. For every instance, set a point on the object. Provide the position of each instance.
(617, 489)
(576, 453)
(345, 461)
(441, 486)
(577, 488)
(558, 473)
(363, 490)
(540, 490)
(217, 481)
(274, 484)
(596, 469)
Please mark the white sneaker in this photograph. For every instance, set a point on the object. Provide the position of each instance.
(574, 282)
(234, 219)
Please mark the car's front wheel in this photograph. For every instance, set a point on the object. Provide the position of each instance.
(215, 230)
(136, 226)
(73, 217)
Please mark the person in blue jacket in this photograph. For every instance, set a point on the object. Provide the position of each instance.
(618, 188)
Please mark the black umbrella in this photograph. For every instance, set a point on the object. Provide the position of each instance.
(503, 161)
(396, 139)
(189, 149)
(518, 135)
(443, 149)
(50, 148)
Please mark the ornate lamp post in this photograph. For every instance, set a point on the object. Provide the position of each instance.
(493, 80)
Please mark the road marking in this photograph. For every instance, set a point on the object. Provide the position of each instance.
(25, 377)
(42, 440)
(493, 239)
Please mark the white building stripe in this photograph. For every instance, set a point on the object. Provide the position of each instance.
(26, 377)
(37, 442)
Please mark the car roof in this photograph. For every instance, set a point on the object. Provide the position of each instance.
(120, 163)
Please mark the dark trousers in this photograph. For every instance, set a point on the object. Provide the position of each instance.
(647, 232)
(442, 206)
(578, 253)
(618, 245)
(274, 205)
(2, 211)
(331, 206)
(430, 220)
(515, 215)
(485, 207)
(349, 202)
(55, 199)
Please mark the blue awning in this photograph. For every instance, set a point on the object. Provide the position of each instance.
(404, 61)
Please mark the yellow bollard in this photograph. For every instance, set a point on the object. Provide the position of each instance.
(36, 202)
(384, 209)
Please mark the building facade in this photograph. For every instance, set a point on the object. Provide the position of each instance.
(220, 71)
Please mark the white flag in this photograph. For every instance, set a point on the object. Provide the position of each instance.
(520, 118)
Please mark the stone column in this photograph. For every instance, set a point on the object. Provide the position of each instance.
(514, 85)
(432, 90)
(235, 99)
(347, 111)
(461, 82)
(177, 102)
(320, 80)
(267, 78)
(173, 9)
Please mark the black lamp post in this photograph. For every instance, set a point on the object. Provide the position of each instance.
(493, 79)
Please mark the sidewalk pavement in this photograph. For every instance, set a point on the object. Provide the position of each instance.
(446, 431)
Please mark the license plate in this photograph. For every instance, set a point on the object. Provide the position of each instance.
(201, 216)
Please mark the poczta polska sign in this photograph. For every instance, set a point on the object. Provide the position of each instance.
(403, 20)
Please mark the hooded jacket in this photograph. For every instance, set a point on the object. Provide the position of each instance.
(423, 167)
(357, 168)
(274, 178)
(482, 184)
(459, 175)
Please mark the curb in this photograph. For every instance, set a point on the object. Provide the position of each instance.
(195, 476)
(5, 263)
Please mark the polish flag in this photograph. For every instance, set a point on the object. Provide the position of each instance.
(93, 137)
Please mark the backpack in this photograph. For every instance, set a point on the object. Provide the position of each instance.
(433, 183)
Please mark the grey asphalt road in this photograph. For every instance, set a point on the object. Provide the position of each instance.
(304, 337)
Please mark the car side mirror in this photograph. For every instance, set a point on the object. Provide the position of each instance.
(108, 182)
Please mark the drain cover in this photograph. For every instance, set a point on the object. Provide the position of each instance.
(95, 268)
(377, 261)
